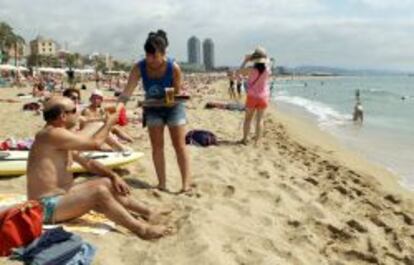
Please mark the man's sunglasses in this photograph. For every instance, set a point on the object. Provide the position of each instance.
(74, 98)
(73, 111)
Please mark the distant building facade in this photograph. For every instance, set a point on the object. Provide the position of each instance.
(194, 50)
(43, 46)
(19, 51)
(208, 54)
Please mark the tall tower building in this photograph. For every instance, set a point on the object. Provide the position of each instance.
(208, 54)
(194, 50)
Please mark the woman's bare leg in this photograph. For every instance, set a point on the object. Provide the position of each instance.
(156, 134)
(177, 134)
(247, 122)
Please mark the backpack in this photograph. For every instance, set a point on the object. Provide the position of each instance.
(200, 138)
(20, 225)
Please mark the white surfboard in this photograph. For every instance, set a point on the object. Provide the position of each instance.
(13, 163)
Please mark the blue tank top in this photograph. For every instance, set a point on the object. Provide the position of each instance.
(155, 88)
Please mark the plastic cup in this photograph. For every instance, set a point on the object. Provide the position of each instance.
(169, 96)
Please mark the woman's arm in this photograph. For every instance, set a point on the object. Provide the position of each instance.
(177, 78)
(243, 70)
(133, 79)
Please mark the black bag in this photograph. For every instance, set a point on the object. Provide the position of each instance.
(200, 138)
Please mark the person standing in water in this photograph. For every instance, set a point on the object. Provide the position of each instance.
(158, 73)
(358, 115)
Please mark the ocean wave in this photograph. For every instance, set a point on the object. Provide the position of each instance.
(326, 115)
(382, 93)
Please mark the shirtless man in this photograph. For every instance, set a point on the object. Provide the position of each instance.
(49, 182)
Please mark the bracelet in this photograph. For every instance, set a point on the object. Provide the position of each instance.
(123, 98)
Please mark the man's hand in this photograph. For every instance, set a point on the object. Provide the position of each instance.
(111, 118)
(120, 185)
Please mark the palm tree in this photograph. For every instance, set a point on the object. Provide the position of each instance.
(18, 43)
(70, 60)
(6, 33)
(9, 40)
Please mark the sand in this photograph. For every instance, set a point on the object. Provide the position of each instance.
(296, 198)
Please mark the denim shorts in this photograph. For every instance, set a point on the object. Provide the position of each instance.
(173, 116)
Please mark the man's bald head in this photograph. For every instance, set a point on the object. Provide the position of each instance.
(57, 101)
(55, 106)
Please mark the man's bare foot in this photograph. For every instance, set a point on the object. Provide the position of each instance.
(156, 215)
(156, 231)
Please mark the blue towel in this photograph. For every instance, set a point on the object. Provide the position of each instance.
(56, 246)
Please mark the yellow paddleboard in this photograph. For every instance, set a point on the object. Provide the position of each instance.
(13, 163)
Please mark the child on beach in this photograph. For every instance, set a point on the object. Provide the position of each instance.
(159, 73)
(257, 92)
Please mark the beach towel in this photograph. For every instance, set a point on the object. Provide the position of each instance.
(92, 222)
(56, 246)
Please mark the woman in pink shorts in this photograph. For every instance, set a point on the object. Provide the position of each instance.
(257, 90)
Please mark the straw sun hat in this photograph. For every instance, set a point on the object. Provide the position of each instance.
(259, 55)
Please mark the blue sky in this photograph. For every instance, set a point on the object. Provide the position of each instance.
(350, 33)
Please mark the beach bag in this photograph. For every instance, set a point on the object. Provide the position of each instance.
(200, 138)
(33, 106)
(20, 225)
(122, 119)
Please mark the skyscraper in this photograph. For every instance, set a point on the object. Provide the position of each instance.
(194, 50)
(208, 54)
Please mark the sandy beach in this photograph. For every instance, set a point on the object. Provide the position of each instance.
(296, 198)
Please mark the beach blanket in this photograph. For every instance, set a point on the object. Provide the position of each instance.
(91, 222)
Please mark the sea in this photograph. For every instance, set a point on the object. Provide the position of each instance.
(386, 136)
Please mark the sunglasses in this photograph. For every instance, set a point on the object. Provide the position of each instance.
(73, 111)
(74, 98)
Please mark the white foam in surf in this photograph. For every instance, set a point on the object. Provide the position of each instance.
(326, 115)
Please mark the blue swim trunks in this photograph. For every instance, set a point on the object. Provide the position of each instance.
(49, 205)
(170, 116)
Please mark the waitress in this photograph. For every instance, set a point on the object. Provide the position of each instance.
(159, 73)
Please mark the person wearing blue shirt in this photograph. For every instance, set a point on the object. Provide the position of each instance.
(158, 72)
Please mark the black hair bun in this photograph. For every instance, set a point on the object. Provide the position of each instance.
(163, 35)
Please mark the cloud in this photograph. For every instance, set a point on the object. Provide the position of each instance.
(293, 31)
(386, 4)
